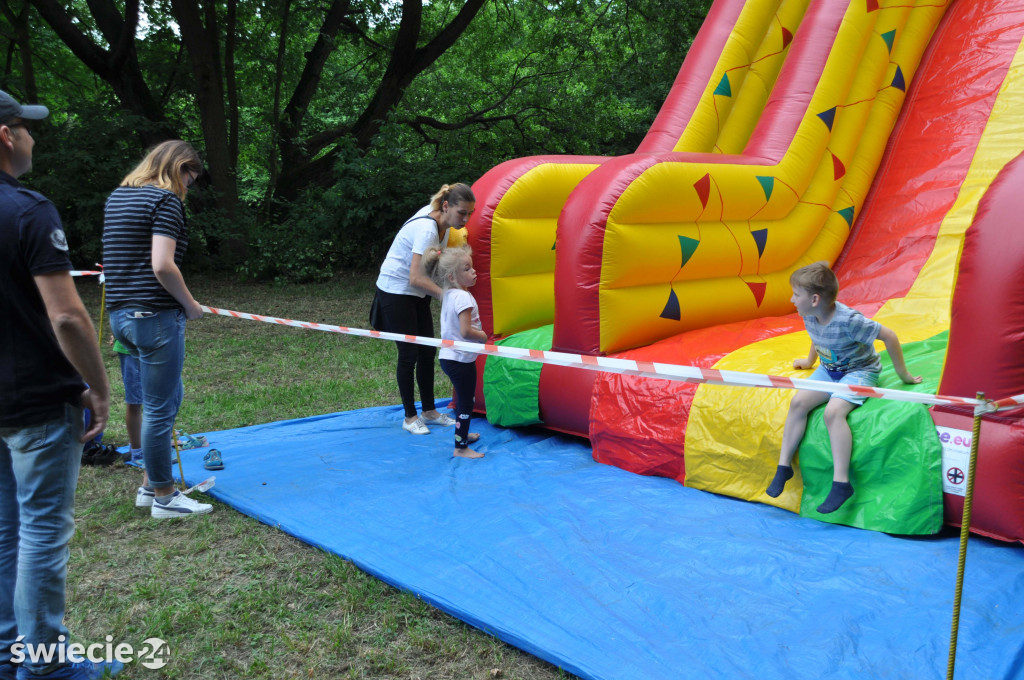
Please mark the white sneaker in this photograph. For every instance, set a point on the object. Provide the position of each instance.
(442, 419)
(416, 427)
(144, 497)
(180, 505)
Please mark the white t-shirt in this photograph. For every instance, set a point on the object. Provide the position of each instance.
(454, 302)
(415, 237)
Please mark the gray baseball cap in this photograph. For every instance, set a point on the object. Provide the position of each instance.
(10, 108)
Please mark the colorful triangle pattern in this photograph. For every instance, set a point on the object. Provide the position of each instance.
(898, 81)
(889, 37)
(847, 214)
(787, 37)
(687, 246)
(724, 89)
(760, 237)
(671, 310)
(758, 288)
(828, 117)
(838, 169)
(703, 187)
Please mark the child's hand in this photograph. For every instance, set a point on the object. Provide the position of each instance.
(911, 379)
(803, 363)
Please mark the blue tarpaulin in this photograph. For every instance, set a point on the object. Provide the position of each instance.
(612, 575)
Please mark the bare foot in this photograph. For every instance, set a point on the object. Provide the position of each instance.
(467, 453)
(474, 437)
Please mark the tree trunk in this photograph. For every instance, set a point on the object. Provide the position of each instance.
(230, 83)
(19, 21)
(202, 44)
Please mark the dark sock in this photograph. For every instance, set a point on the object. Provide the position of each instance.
(783, 474)
(840, 493)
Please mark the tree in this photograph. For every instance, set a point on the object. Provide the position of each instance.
(117, 64)
(322, 122)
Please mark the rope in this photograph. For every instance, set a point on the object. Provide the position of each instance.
(965, 531)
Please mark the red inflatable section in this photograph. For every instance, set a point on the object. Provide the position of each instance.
(985, 355)
(998, 501)
(986, 333)
(489, 191)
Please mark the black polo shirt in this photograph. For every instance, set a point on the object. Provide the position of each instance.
(36, 379)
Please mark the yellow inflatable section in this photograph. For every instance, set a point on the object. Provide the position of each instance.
(692, 242)
(519, 202)
(738, 462)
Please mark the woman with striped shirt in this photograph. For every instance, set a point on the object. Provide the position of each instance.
(144, 241)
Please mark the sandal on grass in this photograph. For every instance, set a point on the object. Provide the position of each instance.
(212, 460)
(188, 441)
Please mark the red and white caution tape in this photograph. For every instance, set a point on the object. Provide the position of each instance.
(647, 369)
(1009, 402)
(85, 272)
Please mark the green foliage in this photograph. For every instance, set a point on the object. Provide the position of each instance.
(78, 160)
(527, 77)
(349, 226)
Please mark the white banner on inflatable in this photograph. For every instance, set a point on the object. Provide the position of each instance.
(956, 459)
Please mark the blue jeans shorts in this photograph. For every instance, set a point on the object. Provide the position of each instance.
(865, 378)
(131, 378)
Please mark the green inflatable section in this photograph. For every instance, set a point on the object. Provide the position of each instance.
(511, 386)
(896, 467)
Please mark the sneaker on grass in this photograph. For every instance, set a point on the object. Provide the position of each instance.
(144, 497)
(179, 505)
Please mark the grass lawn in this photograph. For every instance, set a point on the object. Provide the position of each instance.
(234, 598)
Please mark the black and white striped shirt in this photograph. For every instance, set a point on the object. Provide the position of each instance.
(131, 217)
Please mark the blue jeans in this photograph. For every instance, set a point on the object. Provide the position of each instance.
(131, 379)
(39, 468)
(158, 340)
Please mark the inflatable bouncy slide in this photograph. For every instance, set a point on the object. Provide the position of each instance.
(878, 135)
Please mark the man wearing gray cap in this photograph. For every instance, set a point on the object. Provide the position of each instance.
(47, 346)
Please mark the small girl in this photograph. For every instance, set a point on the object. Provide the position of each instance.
(452, 270)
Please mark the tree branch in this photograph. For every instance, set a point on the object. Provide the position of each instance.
(91, 54)
(408, 61)
(309, 81)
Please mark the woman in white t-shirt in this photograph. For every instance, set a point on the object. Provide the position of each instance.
(402, 301)
(452, 269)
